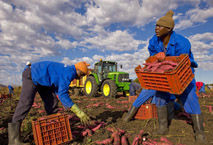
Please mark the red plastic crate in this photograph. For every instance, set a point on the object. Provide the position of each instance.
(174, 82)
(52, 130)
(146, 111)
(132, 99)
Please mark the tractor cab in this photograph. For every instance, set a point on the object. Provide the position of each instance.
(102, 68)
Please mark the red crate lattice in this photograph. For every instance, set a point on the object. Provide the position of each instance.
(146, 111)
(52, 130)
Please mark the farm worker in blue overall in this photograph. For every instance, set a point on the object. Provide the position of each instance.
(10, 90)
(48, 79)
(133, 88)
(200, 87)
(168, 43)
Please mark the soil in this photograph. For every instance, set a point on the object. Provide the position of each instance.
(110, 111)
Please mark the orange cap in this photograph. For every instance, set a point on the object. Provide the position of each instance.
(82, 66)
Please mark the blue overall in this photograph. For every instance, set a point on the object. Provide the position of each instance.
(55, 75)
(133, 87)
(202, 89)
(177, 45)
(10, 89)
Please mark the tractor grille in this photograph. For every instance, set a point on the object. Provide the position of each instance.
(123, 78)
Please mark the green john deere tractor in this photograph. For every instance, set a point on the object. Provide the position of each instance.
(106, 79)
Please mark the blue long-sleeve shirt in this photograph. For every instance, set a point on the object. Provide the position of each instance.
(56, 75)
(10, 89)
(177, 45)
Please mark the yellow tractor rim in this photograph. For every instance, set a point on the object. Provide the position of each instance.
(88, 87)
(106, 90)
(127, 93)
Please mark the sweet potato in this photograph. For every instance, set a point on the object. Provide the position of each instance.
(135, 141)
(109, 106)
(111, 129)
(152, 141)
(124, 140)
(121, 131)
(97, 127)
(41, 111)
(141, 132)
(210, 108)
(84, 133)
(159, 66)
(169, 63)
(106, 141)
(166, 67)
(116, 137)
(87, 132)
(148, 143)
(164, 139)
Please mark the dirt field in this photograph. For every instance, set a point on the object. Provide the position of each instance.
(109, 111)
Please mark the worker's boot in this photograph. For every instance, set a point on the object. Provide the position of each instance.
(131, 113)
(162, 121)
(14, 137)
(198, 128)
(171, 112)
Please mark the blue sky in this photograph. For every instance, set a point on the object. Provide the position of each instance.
(69, 31)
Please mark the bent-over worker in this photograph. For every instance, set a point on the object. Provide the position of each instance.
(47, 78)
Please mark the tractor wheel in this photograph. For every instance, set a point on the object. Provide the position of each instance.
(126, 93)
(91, 87)
(109, 89)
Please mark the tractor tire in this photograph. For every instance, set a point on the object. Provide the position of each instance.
(91, 87)
(109, 89)
(125, 93)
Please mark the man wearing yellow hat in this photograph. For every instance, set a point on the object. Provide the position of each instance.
(48, 79)
(164, 43)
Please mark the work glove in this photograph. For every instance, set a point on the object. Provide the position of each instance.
(85, 120)
(160, 56)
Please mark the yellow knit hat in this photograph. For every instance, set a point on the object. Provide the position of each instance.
(82, 66)
(167, 20)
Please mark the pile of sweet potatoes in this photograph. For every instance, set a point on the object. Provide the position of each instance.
(160, 67)
(119, 137)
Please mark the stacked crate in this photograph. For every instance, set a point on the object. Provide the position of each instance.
(52, 130)
(146, 111)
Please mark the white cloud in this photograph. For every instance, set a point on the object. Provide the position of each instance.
(64, 43)
(194, 16)
(128, 12)
(117, 41)
(28, 30)
(202, 45)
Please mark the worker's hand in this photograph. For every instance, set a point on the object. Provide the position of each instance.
(83, 117)
(160, 56)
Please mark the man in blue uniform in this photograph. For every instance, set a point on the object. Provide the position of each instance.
(10, 90)
(167, 43)
(134, 88)
(48, 79)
